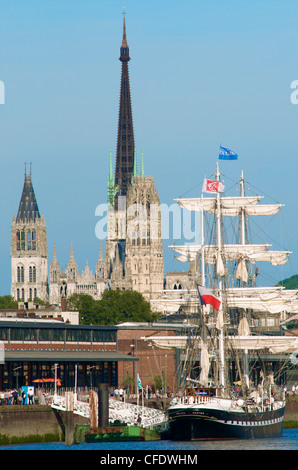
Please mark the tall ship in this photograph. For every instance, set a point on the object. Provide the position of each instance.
(226, 392)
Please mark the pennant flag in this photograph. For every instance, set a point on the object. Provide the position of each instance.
(139, 383)
(206, 297)
(227, 154)
(210, 186)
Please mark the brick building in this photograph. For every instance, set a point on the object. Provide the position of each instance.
(154, 364)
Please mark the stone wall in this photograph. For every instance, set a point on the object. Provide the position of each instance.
(36, 423)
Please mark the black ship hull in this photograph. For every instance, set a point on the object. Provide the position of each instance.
(192, 423)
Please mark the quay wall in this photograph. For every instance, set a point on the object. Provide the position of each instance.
(41, 423)
(33, 423)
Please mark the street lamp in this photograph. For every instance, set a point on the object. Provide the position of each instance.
(55, 367)
(16, 374)
(76, 381)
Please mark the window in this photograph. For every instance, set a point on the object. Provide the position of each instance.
(177, 285)
(18, 237)
(16, 334)
(32, 274)
(45, 334)
(23, 244)
(20, 273)
(58, 335)
(72, 335)
(30, 334)
(4, 334)
(29, 240)
(33, 237)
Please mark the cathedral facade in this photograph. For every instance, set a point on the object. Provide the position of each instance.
(133, 254)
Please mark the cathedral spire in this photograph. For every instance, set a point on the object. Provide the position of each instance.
(124, 49)
(28, 208)
(125, 139)
(54, 255)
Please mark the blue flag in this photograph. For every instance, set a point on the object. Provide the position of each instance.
(139, 382)
(227, 154)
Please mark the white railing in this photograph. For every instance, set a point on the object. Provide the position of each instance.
(190, 400)
(125, 412)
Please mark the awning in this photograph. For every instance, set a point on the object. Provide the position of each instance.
(47, 381)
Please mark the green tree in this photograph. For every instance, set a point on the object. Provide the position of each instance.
(118, 306)
(85, 305)
(114, 307)
(7, 302)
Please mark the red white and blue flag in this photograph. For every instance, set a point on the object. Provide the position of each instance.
(206, 297)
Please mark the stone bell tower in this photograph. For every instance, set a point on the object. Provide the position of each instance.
(29, 251)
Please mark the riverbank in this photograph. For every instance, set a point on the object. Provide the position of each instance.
(41, 423)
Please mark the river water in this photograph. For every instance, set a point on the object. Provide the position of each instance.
(288, 441)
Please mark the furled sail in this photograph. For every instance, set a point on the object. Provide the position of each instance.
(274, 344)
(230, 206)
(271, 300)
(238, 252)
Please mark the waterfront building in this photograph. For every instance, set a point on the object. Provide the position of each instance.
(36, 349)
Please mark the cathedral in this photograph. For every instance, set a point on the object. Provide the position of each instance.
(133, 254)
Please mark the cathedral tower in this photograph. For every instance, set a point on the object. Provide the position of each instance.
(29, 251)
(134, 255)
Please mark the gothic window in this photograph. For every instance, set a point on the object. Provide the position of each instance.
(177, 285)
(23, 243)
(20, 273)
(18, 235)
(18, 294)
(35, 293)
(23, 294)
(33, 239)
(30, 293)
(32, 274)
(29, 240)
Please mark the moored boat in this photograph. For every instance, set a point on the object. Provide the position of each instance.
(231, 395)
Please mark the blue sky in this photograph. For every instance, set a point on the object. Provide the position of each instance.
(202, 73)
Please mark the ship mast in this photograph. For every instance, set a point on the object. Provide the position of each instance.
(243, 241)
(220, 311)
